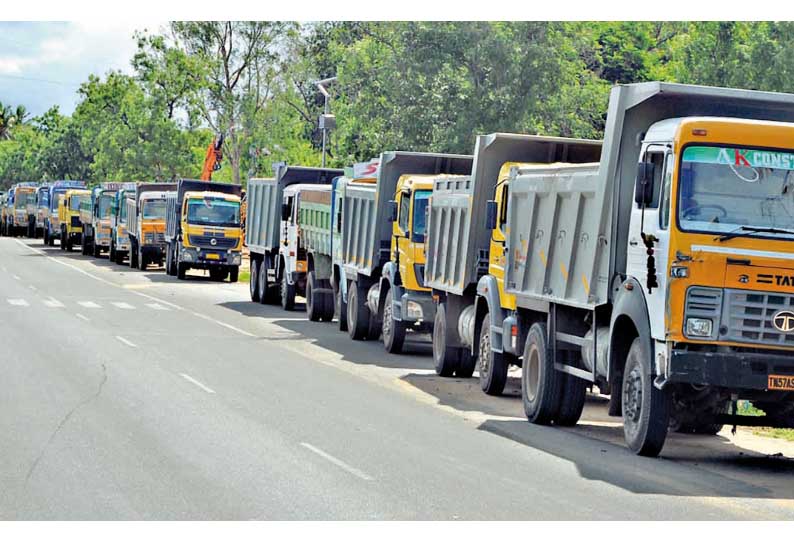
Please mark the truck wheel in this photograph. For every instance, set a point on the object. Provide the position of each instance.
(287, 295)
(574, 392)
(646, 409)
(141, 259)
(119, 259)
(341, 309)
(181, 270)
(265, 288)
(97, 250)
(541, 383)
(329, 303)
(314, 302)
(358, 316)
(46, 237)
(446, 359)
(32, 229)
(112, 252)
(393, 330)
(133, 256)
(493, 365)
(253, 280)
(466, 364)
(234, 274)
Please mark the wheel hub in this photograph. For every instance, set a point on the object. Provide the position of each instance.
(387, 322)
(632, 396)
(533, 373)
(485, 354)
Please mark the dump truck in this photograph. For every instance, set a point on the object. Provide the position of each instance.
(277, 257)
(461, 249)
(203, 229)
(662, 274)
(25, 202)
(52, 223)
(382, 261)
(320, 231)
(42, 208)
(146, 224)
(95, 214)
(7, 212)
(69, 217)
(119, 239)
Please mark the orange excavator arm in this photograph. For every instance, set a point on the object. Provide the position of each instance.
(213, 158)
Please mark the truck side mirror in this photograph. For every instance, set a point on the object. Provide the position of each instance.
(490, 214)
(643, 189)
(285, 212)
(392, 210)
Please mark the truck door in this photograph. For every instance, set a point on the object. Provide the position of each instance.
(400, 239)
(655, 226)
(498, 252)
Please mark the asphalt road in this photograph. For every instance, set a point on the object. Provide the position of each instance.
(131, 395)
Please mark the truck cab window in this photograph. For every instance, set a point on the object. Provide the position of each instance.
(503, 207)
(405, 211)
(664, 210)
(657, 157)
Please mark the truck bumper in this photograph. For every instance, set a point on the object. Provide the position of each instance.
(156, 251)
(734, 370)
(415, 307)
(206, 259)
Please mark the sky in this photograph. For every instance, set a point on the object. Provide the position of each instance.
(43, 63)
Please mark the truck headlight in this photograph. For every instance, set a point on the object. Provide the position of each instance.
(188, 256)
(237, 259)
(698, 327)
(413, 310)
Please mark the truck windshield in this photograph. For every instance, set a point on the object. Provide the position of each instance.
(25, 198)
(75, 203)
(421, 198)
(213, 212)
(153, 209)
(123, 211)
(105, 204)
(731, 189)
(57, 196)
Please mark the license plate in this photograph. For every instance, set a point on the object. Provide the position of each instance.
(213, 257)
(777, 382)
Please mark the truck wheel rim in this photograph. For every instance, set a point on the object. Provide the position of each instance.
(387, 322)
(533, 373)
(485, 354)
(438, 348)
(632, 397)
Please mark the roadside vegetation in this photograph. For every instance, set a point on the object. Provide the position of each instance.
(429, 86)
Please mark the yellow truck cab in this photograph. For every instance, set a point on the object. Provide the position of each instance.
(403, 301)
(25, 209)
(69, 217)
(203, 229)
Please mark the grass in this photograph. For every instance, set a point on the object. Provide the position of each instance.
(746, 409)
(245, 275)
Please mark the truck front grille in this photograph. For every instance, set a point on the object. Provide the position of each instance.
(749, 317)
(205, 241)
(75, 221)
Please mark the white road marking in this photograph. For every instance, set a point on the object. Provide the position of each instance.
(4, 269)
(122, 305)
(32, 287)
(18, 302)
(224, 324)
(196, 382)
(157, 307)
(88, 304)
(338, 462)
(53, 303)
(125, 341)
(81, 317)
(17, 277)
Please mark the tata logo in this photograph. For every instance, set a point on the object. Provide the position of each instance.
(784, 321)
(213, 241)
(779, 280)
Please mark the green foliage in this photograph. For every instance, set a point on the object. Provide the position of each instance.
(426, 86)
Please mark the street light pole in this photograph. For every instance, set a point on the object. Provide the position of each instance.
(327, 121)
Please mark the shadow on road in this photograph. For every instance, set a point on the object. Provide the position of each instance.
(328, 336)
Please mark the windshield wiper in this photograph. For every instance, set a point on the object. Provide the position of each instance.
(749, 229)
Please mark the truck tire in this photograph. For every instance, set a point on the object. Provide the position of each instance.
(287, 295)
(646, 409)
(119, 258)
(46, 236)
(358, 316)
(446, 359)
(341, 309)
(62, 242)
(329, 303)
(141, 259)
(234, 274)
(466, 363)
(393, 330)
(265, 288)
(314, 303)
(253, 281)
(112, 252)
(133, 255)
(32, 228)
(493, 365)
(541, 383)
(574, 392)
(181, 270)
(97, 250)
